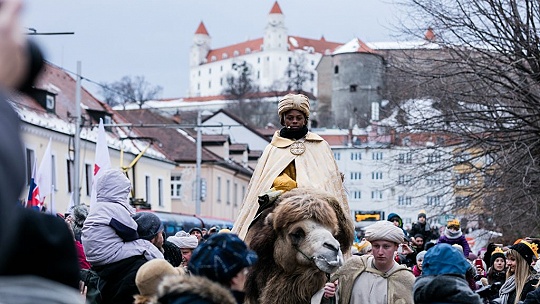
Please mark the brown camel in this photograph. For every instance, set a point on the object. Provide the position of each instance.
(299, 240)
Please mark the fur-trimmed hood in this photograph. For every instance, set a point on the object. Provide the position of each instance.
(193, 289)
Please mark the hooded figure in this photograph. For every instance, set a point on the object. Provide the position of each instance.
(296, 158)
(443, 278)
(110, 233)
(395, 218)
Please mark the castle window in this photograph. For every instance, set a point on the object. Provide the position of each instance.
(248, 51)
(290, 59)
(312, 62)
(221, 68)
(258, 59)
(224, 56)
(336, 69)
(213, 58)
(221, 81)
(352, 88)
(236, 53)
(258, 74)
(209, 71)
(210, 84)
(267, 58)
(199, 73)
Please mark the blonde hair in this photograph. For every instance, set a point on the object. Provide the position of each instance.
(522, 273)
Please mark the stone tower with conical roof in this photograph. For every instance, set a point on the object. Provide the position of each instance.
(200, 47)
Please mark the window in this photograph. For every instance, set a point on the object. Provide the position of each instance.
(352, 88)
(462, 180)
(236, 53)
(312, 62)
(70, 173)
(30, 161)
(356, 175)
(218, 189)
(88, 181)
(404, 200)
(462, 201)
(337, 156)
(268, 58)
(434, 201)
(221, 68)
(356, 155)
(224, 56)
(463, 157)
(258, 74)
(147, 186)
(434, 157)
(235, 195)
(376, 175)
(376, 194)
(213, 58)
(377, 156)
(248, 51)
(336, 69)
(433, 180)
(199, 72)
(405, 158)
(404, 179)
(312, 76)
(49, 102)
(198, 86)
(228, 192)
(258, 59)
(209, 71)
(176, 186)
(356, 194)
(160, 191)
(290, 59)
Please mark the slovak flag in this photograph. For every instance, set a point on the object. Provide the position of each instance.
(33, 192)
(102, 160)
(41, 182)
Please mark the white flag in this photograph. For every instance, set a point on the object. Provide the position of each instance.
(102, 161)
(44, 176)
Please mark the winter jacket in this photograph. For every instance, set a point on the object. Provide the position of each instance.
(444, 289)
(391, 216)
(193, 290)
(27, 289)
(462, 241)
(423, 229)
(109, 233)
(533, 297)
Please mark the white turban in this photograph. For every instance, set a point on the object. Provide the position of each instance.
(384, 231)
(294, 102)
(183, 240)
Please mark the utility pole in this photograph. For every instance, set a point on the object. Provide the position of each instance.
(198, 166)
(77, 140)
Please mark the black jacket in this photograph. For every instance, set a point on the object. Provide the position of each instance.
(194, 290)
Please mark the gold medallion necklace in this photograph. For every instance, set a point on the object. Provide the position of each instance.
(298, 147)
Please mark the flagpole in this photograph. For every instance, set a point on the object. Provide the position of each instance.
(77, 140)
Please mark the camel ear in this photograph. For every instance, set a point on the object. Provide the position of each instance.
(269, 219)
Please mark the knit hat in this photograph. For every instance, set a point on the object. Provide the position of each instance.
(298, 102)
(420, 255)
(151, 273)
(195, 229)
(148, 225)
(221, 257)
(184, 240)
(422, 213)
(444, 259)
(526, 250)
(79, 214)
(453, 223)
(384, 231)
(497, 253)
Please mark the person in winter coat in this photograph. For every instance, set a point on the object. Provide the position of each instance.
(376, 278)
(443, 278)
(533, 297)
(396, 220)
(520, 277)
(417, 269)
(218, 270)
(422, 227)
(453, 235)
(497, 268)
(110, 239)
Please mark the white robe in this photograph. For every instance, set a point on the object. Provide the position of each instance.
(315, 168)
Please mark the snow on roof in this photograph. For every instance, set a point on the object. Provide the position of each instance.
(353, 46)
(417, 111)
(403, 45)
(293, 42)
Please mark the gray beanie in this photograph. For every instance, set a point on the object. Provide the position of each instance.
(420, 255)
(148, 225)
(79, 214)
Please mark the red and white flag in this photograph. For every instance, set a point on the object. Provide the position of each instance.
(102, 160)
(41, 182)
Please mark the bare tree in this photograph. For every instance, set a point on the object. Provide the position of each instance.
(129, 90)
(296, 73)
(484, 80)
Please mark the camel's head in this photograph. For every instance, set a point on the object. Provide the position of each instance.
(306, 226)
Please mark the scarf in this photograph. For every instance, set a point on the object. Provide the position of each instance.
(507, 288)
(452, 235)
(293, 134)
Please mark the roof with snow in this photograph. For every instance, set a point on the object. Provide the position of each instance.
(354, 46)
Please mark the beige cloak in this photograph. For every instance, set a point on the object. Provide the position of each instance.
(315, 168)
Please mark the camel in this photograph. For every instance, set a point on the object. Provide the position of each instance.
(299, 240)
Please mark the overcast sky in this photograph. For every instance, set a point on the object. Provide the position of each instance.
(114, 38)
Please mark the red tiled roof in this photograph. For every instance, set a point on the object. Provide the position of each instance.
(253, 46)
(230, 97)
(320, 45)
(202, 29)
(276, 9)
(430, 34)
(335, 140)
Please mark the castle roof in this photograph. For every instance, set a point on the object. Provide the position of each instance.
(276, 9)
(255, 45)
(354, 46)
(202, 29)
